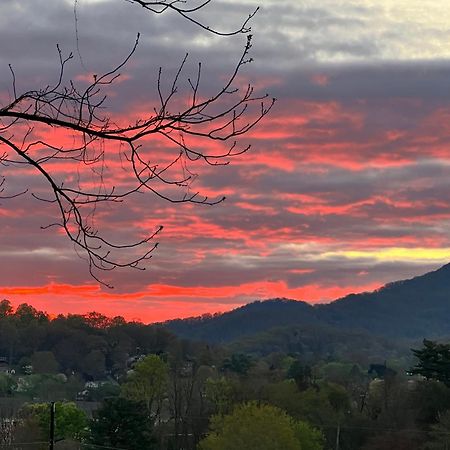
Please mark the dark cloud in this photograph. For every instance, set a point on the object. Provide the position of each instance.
(355, 156)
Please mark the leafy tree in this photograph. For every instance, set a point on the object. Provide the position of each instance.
(25, 314)
(7, 384)
(324, 406)
(342, 373)
(122, 423)
(6, 308)
(238, 363)
(70, 421)
(253, 427)
(48, 387)
(310, 438)
(93, 364)
(8, 337)
(434, 362)
(147, 382)
(44, 362)
(221, 393)
(97, 320)
(301, 374)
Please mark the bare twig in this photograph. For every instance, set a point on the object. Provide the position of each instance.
(81, 113)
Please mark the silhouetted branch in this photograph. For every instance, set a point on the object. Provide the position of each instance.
(97, 139)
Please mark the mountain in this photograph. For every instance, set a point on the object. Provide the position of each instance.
(410, 309)
(246, 320)
(414, 308)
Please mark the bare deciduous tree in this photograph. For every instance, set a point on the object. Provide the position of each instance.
(29, 122)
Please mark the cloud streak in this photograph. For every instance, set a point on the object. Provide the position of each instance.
(345, 188)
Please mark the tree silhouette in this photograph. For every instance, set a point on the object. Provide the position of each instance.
(433, 361)
(30, 121)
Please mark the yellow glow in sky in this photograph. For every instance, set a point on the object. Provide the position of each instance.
(419, 255)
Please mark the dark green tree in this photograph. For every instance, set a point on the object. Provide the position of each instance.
(301, 374)
(44, 362)
(434, 362)
(123, 423)
(6, 308)
(238, 363)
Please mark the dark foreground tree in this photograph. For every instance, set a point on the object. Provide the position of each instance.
(31, 124)
(433, 362)
(122, 423)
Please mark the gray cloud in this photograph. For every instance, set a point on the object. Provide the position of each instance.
(374, 163)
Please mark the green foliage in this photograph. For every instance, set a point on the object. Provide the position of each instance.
(90, 346)
(252, 427)
(7, 384)
(46, 387)
(310, 375)
(70, 421)
(238, 363)
(324, 403)
(434, 362)
(342, 373)
(301, 374)
(147, 382)
(337, 397)
(220, 392)
(310, 438)
(244, 321)
(44, 362)
(122, 423)
(104, 390)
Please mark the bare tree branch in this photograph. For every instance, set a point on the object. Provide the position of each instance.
(81, 112)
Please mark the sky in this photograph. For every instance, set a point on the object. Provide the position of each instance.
(345, 188)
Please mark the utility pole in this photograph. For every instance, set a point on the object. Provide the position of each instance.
(51, 440)
(338, 435)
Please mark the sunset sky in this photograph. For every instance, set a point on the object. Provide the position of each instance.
(346, 186)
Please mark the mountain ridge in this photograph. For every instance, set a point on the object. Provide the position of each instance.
(411, 308)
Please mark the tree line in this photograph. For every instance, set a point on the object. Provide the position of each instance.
(127, 385)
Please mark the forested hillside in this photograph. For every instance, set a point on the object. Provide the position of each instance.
(246, 320)
(408, 309)
(132, 386)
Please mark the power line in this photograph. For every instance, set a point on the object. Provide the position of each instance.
(87, 444)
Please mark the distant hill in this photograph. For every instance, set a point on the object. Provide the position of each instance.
(314, 343)
(412, 308)
(409, 309)
(246, 320)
